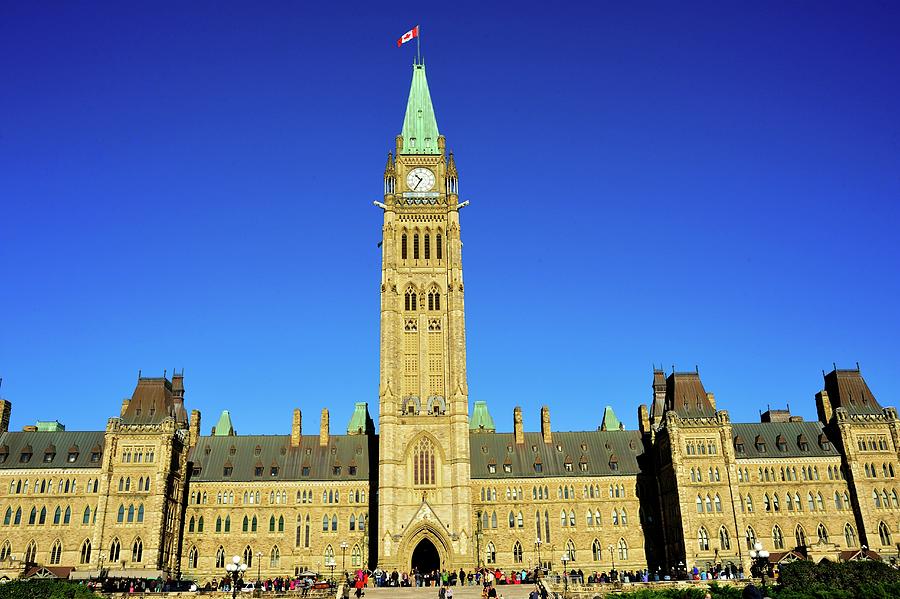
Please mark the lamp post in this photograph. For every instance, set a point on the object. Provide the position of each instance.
(235, 573)
(330, 563)
(565, 560)
(537, 544)
(760, 559)
(680, 567)
(612, 556)
(864, 553)
(343, 559)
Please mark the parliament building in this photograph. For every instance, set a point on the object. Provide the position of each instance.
(437, 485)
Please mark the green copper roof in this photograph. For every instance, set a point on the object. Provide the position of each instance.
(360, 422)
(50, 426)
(420, 130)
(610, 422)
(481, 418)
(223, 427)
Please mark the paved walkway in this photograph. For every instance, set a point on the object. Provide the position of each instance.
(512, 591)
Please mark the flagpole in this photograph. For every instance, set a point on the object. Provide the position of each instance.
(418, 43)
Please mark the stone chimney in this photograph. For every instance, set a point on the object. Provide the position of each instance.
(518, 428)
(323, 429)
(5, 413)
(125, 403)
(823, 407)
(195, 427)
(545, 425)
(711, 398)
(643, 419)
(295, 428)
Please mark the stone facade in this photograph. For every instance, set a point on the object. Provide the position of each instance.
(152, 495)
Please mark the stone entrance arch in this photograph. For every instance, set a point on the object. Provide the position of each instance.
(425, 543)
(425, 557)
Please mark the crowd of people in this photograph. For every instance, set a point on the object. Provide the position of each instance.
(444, 580)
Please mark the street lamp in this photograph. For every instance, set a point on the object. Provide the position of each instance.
(565, 560)
(235, 573)
(330, 563)
(680, 568)
(537, 543)
(612, 556)
(343, 559)
(760, 559)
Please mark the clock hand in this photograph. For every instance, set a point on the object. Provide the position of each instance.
(417, 184)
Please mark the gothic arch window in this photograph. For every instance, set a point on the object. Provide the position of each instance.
(415, 246)
(227, 523)
(703, 539)
(253, 524)
(86, 552)
(55, 553)
(520, 522)
(306, 532)
(120, 516)
(777, 537)
(274, 557)
(220, 557)
(822, 533)
(192, 558)
(438, 246)
(18, 518)
(427, 246)
(409, 302)
(517, 553)
(884, 533)
(563, 518)
(30, 553)
(570, 549)
(43, 518)
(219, 524)
(5, 551)
(750, 537)
(424, 473)
(724, 539)
(596, 550)
(800, 536)
(494, 520)
(248, 555)
(623, 549)
(356, 557)
(114, 549)
(334, 522)
(849, 536)
(137, 550)
(280, 523)
(490, 554)
(403, 246)
(131, 513)
(512, 520)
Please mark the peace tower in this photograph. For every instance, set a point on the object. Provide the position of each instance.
(424, 491)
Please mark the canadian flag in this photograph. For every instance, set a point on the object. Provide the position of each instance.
(408, 36)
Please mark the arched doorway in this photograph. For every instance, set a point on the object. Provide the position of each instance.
(425, 557)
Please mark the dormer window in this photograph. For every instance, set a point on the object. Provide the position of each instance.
(351, 470)
(336, 470)
(95, 456)
(739, 445)
(258, 471)
(25, 457)
(304, 471)
(492, 468)
(73, 455)
(412, 142)
(760, 444)
(781, 443)
(538, 467)
(802, 443)
(48, 457)
(613, 463)
(257, 451)
(273, 471)
(507, 468)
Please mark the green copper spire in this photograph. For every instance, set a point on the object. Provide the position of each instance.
(610, 422)
(481, 418)
(223, 427)
(420, 130)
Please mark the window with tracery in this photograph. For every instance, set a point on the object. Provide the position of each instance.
(423, 463)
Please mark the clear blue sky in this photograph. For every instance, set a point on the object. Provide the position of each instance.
(191, 184)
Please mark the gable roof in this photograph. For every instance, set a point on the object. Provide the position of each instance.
(244, 453)
(598, 449)
(58, 442)
(791, 432)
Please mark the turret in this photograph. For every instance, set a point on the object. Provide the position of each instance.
(518, 426)
(295, 428)
(545, 425)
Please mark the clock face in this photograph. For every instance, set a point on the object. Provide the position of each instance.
(420, 179)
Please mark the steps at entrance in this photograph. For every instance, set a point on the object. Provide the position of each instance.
(512, 591)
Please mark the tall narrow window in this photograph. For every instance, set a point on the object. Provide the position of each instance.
(86, 552)
(415, 246)
(423, 463)
(30, 553)
(438, 247)
(427, 246)
(55, 553)
(137, 550)
(403, 246)
(114, 550)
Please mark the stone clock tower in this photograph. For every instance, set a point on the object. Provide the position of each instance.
(424, 500)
